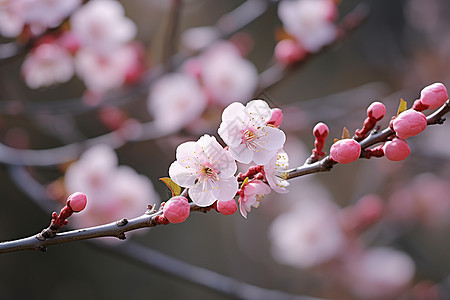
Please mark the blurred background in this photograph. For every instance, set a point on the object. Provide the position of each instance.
(402, 47)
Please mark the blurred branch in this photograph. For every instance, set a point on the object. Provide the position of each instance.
(170, 34)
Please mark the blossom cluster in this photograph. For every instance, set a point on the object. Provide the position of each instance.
(208, 170)
(98, 47)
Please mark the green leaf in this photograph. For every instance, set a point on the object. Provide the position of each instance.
(402, 106)
(174, 188)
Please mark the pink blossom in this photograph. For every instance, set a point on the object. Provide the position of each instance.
(77, 201)
(102, 25)
(12, 17)
(275, 172)
(173, 108)
(308, 234)
(102, 72)
(227, 76)
(376, 110)
(309, 21)
(114, 192)
(434, 95)
(47, 64)
(345, 151)
(409, 123)
(288, 52)
(206, 169)
(227, 207)
(251, 194)
(177, 209)
(396, 150)
(277, 117)
(43, 14)
(380, 273)
(244, 129)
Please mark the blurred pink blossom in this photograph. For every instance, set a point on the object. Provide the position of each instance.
(46, 65)
(12, 17)
(105, 71)
(114, 192)
(379, 273)
(308, 234)
(175, 100)
(244, 129)
(206, 169)
(227, 76)
(251, 194)
(102, 25)
(309, 21)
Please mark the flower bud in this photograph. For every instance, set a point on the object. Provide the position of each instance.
(409, 123)
(321, 130)
(177, 209)
(227, 207)
(434, 95)
(277, 117)
(77, 201)
(376, 110)
(288, 52)
(345, 151)
(396, 150)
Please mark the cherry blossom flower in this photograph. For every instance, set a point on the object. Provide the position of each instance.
(173, 108)
(102, 25)
(244, 129)
(114, 191)
(105, 71)
(206, 169)
(275, 171)
(12, 17)
(309, 21)
(379, 273)
(308, 234)
(47, 64)
(226, 75)
(43, 14)
(251, 194)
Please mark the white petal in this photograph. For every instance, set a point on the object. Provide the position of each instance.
(231, 131)
(264, 156)
(227, 189)
(183, 176)
(232, 110)
(271, 138)
(242, 154)
(185, 153)
(259, 111)
(226, 164)
(202, 196)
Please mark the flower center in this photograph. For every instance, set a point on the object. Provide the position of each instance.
(250, 140)
(207, 173)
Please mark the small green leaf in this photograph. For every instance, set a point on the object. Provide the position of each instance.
(345, 134)
(402, 106)
(174, 188)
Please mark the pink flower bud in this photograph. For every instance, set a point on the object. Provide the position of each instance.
(288, 52)
(396, 150)
(277, 117)
(227, 207)
(177, 209)
(77, 201)
(409, 123)
(376, 110)
(345, 151)
(434, 95)
(321, 130)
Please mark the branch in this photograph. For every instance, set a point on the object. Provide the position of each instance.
(327, 163)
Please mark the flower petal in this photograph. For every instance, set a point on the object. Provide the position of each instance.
(242, 154)
(263, 157)
(202, 195)
(227, 189)
(182, 175)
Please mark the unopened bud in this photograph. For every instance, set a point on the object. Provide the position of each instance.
(227, 207)
(434, 95)
(396, 150)
(409, 123)
(177, 209)
(77, 201)
(376, 110)
(277, 117)
(345, 151)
